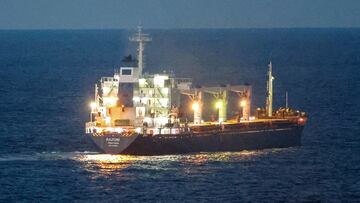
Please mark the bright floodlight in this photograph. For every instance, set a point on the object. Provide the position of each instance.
(218, 104)
(243, 103)
(93, 105)
(110, 100)
(195, 106)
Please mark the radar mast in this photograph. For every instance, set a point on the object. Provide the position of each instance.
(141, 38)
(269, 98)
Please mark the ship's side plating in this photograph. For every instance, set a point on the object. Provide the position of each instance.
(232, 140)
(217, 141)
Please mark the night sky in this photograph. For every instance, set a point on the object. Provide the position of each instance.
(96, 14)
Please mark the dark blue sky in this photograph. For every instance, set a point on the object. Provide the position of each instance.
(80, 14)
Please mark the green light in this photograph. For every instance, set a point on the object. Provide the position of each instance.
(219, 104)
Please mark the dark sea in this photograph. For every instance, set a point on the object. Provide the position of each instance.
(47, 80)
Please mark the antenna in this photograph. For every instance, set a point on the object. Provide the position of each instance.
(286, 100)
(142, 39)
(269, 99)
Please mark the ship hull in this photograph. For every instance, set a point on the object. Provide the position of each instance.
(201, 142)
(113, 143)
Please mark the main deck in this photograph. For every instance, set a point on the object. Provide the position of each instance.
(206, 127)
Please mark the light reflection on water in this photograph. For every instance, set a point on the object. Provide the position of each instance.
(200, 173)
(106, 164)
(108, 161)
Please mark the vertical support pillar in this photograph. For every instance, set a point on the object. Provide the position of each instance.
(222, 106)
(246, 105)
(197, 107)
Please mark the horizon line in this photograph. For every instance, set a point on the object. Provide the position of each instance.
(174, 28)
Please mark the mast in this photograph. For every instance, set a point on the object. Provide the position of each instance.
(286, 100)
(141, 38)
(269, 99)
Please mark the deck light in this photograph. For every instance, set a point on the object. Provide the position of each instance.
(136, 99)
(195, 106)
(92, 105)
(111, 101)
(142, 82)
(219, 104)
(243, 103)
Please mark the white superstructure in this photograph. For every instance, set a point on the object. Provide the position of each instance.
(131, 100)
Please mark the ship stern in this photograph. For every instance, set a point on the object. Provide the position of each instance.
(113, 143)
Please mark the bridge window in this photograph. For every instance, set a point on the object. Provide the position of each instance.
(126, 71)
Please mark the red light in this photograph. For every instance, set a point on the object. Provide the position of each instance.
(301, 121)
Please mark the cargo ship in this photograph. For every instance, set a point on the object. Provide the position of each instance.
(137, 113)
